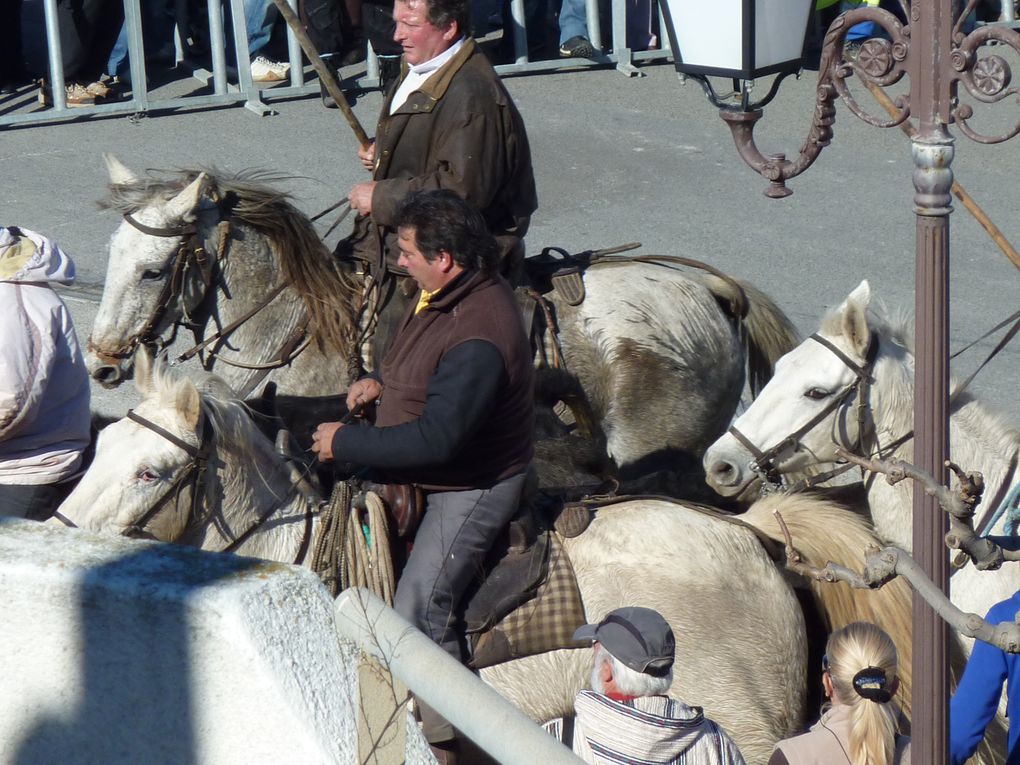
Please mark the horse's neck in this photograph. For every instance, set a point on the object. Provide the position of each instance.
(252, 484)
(978, 440)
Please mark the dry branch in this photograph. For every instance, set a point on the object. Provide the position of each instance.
(987, 553)
(883, 564)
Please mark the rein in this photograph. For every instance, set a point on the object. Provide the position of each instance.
(764, 460)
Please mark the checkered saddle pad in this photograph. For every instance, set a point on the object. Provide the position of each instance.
(544, 622)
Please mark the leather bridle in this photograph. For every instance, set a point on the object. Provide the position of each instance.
(764, 462)
(190, 255)
(193, 474)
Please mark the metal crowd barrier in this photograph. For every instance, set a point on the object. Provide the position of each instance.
(256, 96)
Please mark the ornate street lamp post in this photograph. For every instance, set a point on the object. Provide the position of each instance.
(932, 50)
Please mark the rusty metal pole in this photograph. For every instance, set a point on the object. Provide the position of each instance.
(931, 23)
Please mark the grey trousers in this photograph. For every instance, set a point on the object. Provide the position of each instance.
(457, 531)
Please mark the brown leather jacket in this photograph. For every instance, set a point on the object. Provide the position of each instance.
(461, 131)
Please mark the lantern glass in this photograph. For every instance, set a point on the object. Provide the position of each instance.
(742, 39)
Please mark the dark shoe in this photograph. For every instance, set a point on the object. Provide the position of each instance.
(577, 47)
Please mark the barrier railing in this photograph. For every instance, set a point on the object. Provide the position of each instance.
(500, 729)
(256, 96)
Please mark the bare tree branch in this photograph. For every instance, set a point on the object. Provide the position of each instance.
(882, 565)
(987, 553)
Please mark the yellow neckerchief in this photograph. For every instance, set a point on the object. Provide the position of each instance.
(423, 300)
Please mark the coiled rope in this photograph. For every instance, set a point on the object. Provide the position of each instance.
(352, 548)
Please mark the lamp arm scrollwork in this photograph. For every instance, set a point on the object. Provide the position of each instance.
(881, 62)
(986, 79)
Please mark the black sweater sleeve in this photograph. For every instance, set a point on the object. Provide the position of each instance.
(458, 398)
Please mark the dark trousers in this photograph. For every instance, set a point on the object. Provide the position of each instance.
(456, 533)
(34, 502)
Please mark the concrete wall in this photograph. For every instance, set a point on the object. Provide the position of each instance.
(119, 651)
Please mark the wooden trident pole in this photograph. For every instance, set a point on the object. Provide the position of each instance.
(327, 76)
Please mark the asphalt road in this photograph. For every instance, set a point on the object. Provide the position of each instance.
(617, 160)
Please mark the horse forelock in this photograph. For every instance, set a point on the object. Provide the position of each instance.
(327, 292)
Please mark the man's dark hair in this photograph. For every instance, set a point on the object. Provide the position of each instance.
(443, 221)
(442, 12)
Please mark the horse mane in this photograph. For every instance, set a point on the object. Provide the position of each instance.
(229, 416)
(823, 531)
(326, 290)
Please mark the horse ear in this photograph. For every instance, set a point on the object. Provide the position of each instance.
(188, 403)
(119, 173)
(855, 319)
(143, 371)
(184, 206)
(861, 294)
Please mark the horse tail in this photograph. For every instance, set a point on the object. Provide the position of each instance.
(823, 531)
(767, 332)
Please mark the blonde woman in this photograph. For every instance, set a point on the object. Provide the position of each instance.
(858, 725)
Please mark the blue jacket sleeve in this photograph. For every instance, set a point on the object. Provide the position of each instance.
(977, 696)
(458, 398)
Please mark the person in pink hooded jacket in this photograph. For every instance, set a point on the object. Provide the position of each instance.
(44, 386)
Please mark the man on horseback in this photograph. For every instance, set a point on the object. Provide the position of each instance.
(448, 124)
(454, 415)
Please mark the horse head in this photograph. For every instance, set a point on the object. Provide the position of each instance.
(138, 468)
(158, 269)
(816, 402)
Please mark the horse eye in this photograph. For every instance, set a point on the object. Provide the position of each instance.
(816, 394)
(151, 273)
(148, 475)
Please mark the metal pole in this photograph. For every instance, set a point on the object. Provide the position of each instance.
(439, 680)
(56, 56)
(933, 180)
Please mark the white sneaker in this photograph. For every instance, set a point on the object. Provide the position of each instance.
(264, 70)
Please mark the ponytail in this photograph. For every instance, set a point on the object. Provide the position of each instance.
(862, 668)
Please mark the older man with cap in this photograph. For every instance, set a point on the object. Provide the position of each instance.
(626, 716)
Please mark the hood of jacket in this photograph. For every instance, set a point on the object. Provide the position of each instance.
(28, 257)
(646, 729)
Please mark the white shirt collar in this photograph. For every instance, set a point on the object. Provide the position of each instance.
(434, 63)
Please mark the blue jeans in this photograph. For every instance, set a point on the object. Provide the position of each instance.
(862, 31)
(259, 16)
(573, 20)
(157, 31)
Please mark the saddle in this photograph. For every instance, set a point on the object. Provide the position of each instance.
(527, 601)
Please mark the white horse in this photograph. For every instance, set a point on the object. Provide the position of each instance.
(741, 643)
(660, 361)
(813, 382)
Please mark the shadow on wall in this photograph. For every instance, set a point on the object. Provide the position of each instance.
(135, 669)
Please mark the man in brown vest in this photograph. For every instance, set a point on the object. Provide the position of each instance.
(454, 414)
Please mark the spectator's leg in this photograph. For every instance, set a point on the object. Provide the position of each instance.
(12, 64)
(259, 16)
(34, 502)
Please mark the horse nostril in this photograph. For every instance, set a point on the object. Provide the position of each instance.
(107, 376)
(722, 471)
